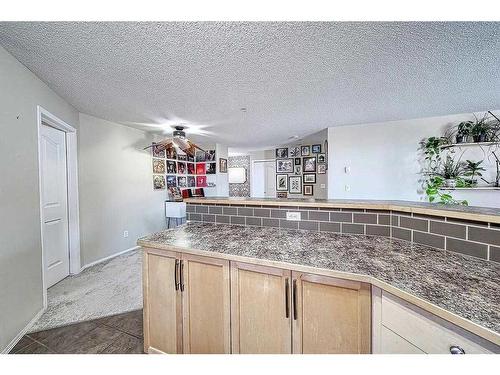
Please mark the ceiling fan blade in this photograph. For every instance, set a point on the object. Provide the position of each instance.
(162, 145)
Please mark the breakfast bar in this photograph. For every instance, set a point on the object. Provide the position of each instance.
(245, 276)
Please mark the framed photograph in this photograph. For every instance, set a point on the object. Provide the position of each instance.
(158, 151)
(190, 168)
(182, 181)
(171, 181)
(297, 161)
(200, 156)
(191, 181)
(321, 158)
(281, 194)
(171, 153)
(182, 157)
(201, 181)
(181, 168)
(200, 168)
(210, 168)
(321, 168)
(294, 152)
(284, 165)
(159, 166)
(316, 149)
(308, 190)
(295, 185)
(305, 150)
(175, 193)
(297, 169)
(190, 158)
(309, 164)
(171, 167)
(309, 178)
(222, 165)
(158, 182)
(210, 155)
(281, 182)
(282, 153)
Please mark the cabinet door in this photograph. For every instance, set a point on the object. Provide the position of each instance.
(330, 315)
(260, 309)
(162, 303)
(205, 303)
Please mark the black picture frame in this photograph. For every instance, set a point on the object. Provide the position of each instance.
(282, 163)
(321, 158)
(316, 149)
(291, 183)
(308, 190)
(282, 153)
(282, 178)
(222, 165)
(297, 161)
(309, 164)
(322, 168)
(309, 178)
(305, 150)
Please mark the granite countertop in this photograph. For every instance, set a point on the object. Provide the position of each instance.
(489, 214)
(466, 286)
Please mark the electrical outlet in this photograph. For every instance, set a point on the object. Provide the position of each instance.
(293, 216)
(125, 233)
(348, 188)
(322, 186)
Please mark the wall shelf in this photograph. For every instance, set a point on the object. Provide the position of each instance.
(469, 144)
(472, 188)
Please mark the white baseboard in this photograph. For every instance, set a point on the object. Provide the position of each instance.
(108, 257)
(23, 332)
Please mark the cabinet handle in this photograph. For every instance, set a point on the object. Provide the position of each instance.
(455, 349)
(287, 298)
(181, 277)
(175, 274)
(294, 294)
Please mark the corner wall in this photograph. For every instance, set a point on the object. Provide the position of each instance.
(21, 292)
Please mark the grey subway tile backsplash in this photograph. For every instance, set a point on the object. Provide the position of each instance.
(457, 235)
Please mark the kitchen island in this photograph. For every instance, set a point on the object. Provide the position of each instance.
(231, 270)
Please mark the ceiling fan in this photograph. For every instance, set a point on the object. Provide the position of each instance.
(179, 141)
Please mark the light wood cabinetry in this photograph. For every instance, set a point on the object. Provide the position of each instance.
(162, 303)
(400, 327)
(260, 309)
(330, 315)
(205, 304)
(186, 303)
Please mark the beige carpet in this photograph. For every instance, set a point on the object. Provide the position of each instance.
(108, 288)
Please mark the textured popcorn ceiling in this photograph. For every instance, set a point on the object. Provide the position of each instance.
(293, 78)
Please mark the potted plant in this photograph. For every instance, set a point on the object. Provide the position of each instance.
(473, 169)
(480, 129)
(450, 172)
(463, 131)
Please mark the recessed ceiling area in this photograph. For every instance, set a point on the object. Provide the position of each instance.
(254, 85)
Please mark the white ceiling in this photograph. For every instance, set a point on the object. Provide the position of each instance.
(293, 78)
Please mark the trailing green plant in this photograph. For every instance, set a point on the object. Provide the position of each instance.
(473, 169)
(436, 195)
(432, 150)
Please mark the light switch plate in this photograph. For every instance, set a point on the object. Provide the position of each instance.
(293, 216)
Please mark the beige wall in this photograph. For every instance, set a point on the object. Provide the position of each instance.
(20, 242)
(116, 188)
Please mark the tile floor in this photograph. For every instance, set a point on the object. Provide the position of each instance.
(117, 334)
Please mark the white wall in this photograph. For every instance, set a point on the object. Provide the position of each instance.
(20, 242)
(116, 188)
(384, 160)
(222, 179)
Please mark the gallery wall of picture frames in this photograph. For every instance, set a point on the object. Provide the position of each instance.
(297, 167)
(175, 170)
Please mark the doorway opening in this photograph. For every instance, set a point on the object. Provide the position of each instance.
(263, 179)
(58, 186)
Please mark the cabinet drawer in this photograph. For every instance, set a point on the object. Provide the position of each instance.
(426, 331)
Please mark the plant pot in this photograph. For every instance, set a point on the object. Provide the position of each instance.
(476, 138)
(450, 183)
(459, 138)
(482, 137)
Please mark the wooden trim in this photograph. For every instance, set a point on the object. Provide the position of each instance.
(411, 207)
(436, 310)
(376, 319)
(145, 299)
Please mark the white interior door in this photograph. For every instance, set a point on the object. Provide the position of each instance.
(270, 179)
(54, 198)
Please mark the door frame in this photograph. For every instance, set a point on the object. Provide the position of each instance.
(44, 116)
(252, 171)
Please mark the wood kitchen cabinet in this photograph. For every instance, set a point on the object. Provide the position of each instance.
(162, 302)
(260, 309)
(186, 303)
(330, 315)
